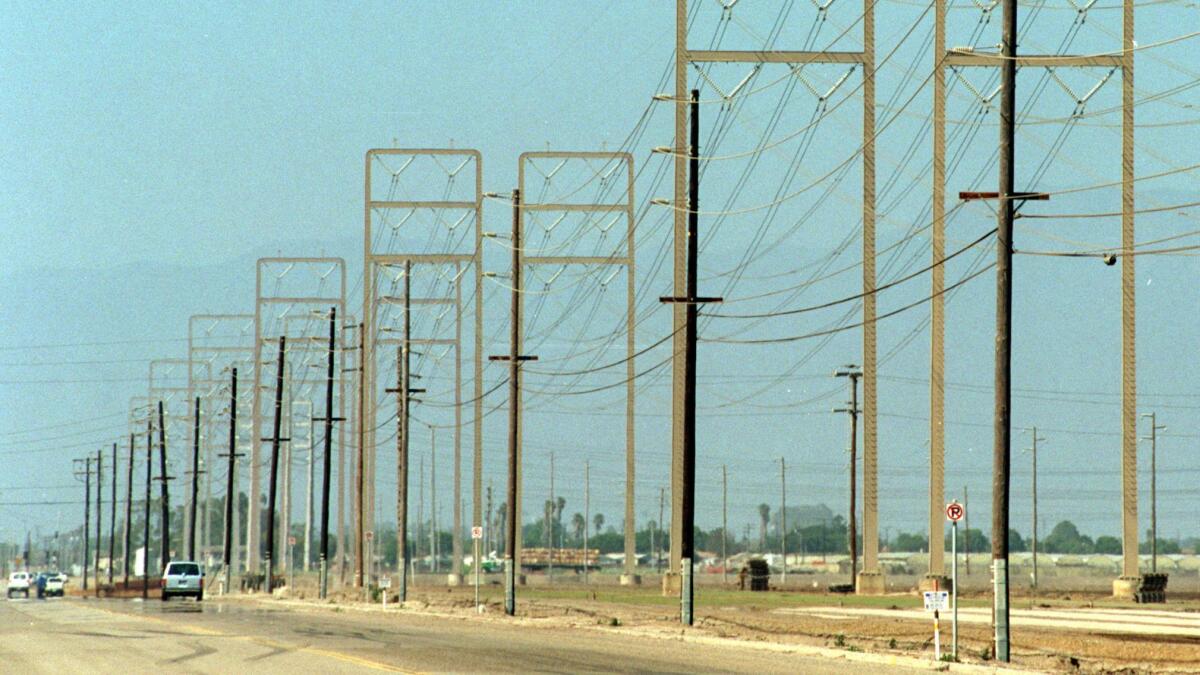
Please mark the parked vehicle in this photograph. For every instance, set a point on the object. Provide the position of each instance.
(55, 583)
(183, 578)
(18, 582)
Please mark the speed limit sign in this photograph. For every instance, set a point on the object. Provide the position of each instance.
(955, 512)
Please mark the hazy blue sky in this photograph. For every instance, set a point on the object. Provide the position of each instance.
(152, 151)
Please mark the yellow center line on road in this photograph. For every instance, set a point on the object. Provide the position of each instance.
(265, 642)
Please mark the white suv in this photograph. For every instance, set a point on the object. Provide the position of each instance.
(183, 577)
(18, 582)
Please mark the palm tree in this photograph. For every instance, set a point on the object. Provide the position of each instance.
(764, 514)
(548, 510)
(598, 522)
(502, 525)
(578, 524)
(560, 503)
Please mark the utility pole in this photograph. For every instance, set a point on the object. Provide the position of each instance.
(128, 510)
(231, 496)
(724, 525)
(514, 357)
(326, 461)
(112, 518)
(404, 396)
(99, 517)
(359, 482)
(783, 516)
(687, 458)
(662, 501)
(433, 522)
(1001, 450)
(587, 515)
(191, 534)
(967, 528)
(1153, 438)
(275, 440)
(87, 510)
(146, 521)
(550, 525)
(852, 372)
(487, 521)
(163, 478)
(1034, 450)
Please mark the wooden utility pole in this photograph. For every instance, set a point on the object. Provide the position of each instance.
(112, 518)
(1153, 438)
(146, 520)
(163, 478)
(404, 396)
(1002, 423)
(327, 460)
(191, 533)
(724, 525)
(128, 510)
(99, 516)
(275, 441)
(852, 372)
(783, 516)
(587, 514)
(231, 495)
(87, 511)
(1034, 450)
(967, 529)
(512, 557)
(359, 471)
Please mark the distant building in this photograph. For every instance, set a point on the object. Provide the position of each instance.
(804, 515)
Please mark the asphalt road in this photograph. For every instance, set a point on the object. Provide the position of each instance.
(123, 636)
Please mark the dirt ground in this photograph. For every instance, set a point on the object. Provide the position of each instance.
(751, 616)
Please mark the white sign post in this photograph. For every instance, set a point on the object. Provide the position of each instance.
(385, 583)
(934, 602)
(476, 536)
(954, 513)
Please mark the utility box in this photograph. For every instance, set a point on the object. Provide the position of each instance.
(756, 574)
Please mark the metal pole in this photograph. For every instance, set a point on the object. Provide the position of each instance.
(954, 587)
(165, 506)
(231, 495)
(434, 544)
(1001, 449)
(271, 488)
(308, 496)
(679, 285)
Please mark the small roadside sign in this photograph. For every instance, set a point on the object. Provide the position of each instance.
(370, 535)
(291, 541)
(955, 512)
(385, 582)
(477, 532)
(936, 600)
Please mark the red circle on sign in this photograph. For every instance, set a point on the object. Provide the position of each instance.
(955, 511)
